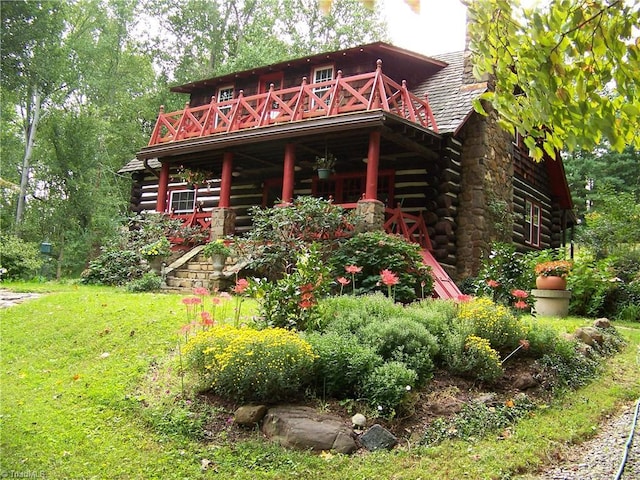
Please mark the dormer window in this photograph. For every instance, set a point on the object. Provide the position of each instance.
(225, 94)
(320, 75)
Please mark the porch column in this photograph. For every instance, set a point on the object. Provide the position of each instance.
(373, 160)
(288, 179)
(223, 218)
(163, 183)
(225, 180)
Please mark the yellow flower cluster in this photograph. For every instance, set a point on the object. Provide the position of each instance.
(494, 322)
(481, 346)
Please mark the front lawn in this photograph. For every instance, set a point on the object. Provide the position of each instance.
(74, 362)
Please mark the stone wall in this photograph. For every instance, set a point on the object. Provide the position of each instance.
(487, 188)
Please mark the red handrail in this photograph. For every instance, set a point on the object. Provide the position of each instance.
(367, 91)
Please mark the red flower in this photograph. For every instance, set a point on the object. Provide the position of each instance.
(306, 303)
(353, 269)
(206, 319)
(200, 291)
(519, 293)
(241, 286)
(388, 277)
(216, 300)
(343, 281)
(493, 283)
(521, 304)
(186, 328)
(464, 298)
(307, 287)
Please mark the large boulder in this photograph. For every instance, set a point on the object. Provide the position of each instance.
(249, 415)
(590, 336)
(304, 428)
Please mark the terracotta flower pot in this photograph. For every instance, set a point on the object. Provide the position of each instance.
(551, 283)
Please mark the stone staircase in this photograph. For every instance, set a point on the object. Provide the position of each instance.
(189, 271)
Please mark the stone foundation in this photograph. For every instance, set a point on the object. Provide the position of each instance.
(223, 222)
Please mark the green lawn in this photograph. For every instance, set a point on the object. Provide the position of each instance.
(73, 362)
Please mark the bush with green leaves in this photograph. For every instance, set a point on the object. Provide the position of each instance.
(292, 301)
(342, 363)
(404, 340)
(18, 259)
(591, 282)
(377, 251)
(279, 232)
(347, 314)
(438, 316)
(470, 356)
(149, 282)
(387, 386)
(243, 364)
(566, 367)
(114, 267)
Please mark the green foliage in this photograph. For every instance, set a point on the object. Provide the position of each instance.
(292, 301)
(438, 316)
(342, 363)
(564, 72)
(470, 356)
(477, 420)
(149, 282)
(387, 386)
(566, 367)
(20, 259)
(279, 233)
(179, 418)
(403, 340)
(347, 314)
(251, 365)
(115, 267)
(590, 284)
(377, 251)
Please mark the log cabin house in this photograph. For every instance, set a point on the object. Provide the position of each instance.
(410, 154)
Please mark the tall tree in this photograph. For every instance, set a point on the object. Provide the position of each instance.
(564, 74)
(32, 61)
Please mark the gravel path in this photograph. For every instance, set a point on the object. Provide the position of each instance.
(600, 457)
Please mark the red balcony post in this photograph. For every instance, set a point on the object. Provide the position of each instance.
(289, 172)
(163, 183)
(373, 160)
(225, 180)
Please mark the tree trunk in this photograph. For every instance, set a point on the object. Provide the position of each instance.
(33, 117)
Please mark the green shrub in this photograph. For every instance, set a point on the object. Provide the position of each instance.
(402, 340)
(18, 259)
(149, 282)
(566, 367)
(377, 251)
(386, 387)
(471, 356)
(342, 363)
(494, 322)
(114, 267)
(243, 364)
(542, 339)
(590, 284)
(437, 316)
(292, 301)
(347, 314)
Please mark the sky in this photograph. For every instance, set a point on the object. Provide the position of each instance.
(439, 28)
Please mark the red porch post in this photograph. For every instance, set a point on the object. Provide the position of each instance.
(163, 183)
(373, 160)
(225, 180)
(289, 172)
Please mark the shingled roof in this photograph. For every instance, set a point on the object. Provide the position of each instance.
(450, 96)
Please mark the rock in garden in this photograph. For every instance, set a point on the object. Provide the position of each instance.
(304, 428)
(377, 438)
(589, 335)
(359, 420)
(446, 406)
(525, 381)
(602, 323)
(249, 415)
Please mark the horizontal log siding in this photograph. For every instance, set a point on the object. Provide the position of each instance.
(523, 191)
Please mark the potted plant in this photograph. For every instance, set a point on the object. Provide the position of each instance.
(218, 251)
(324, 165)
(155, 253)
(192, 177)
(552, 275)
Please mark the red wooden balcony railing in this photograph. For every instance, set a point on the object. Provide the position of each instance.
(367, 91)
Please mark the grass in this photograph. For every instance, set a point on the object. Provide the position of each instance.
(74, 360)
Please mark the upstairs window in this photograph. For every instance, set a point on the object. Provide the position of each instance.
(224, 95)
(322, 74)
(532, 214)
(182, 201)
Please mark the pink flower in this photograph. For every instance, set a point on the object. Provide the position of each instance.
(521, 304)
(353, 269)
(307, 287)
(206, 319)
(200, 291)
(343, 281)
(187, 328)
(191, 301)
(493, 283)
(241, 285)
(464, 298)
(519, 293)
(306, 303)
(216, 300)
(388, 277)
(224, 296)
